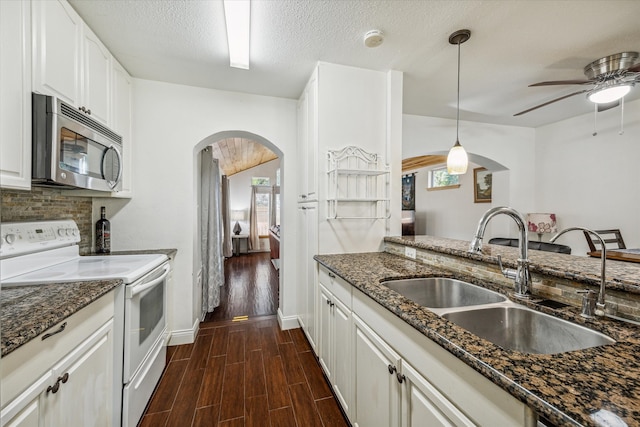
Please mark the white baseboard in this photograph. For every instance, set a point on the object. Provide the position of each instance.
(288, 322)
(184, 336)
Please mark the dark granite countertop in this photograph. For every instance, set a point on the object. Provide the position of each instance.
(567, 388)
(623, 276)
(27, 311)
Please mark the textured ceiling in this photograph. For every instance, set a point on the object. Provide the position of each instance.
(513, 43)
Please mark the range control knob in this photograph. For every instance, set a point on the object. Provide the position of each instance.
(75, 232)
(69, 231)
(10, 238)
(62, 232)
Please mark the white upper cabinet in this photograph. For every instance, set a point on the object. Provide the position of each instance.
(70, 61)
(15, 102)
(96, 77)
(308, 141)
(121, 122)
(57, 32)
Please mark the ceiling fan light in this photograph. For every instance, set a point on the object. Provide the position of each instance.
(457, 160)
(609, 94)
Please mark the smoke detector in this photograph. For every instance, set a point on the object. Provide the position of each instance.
(373, 38)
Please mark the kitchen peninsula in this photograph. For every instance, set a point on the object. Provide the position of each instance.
(585, 387)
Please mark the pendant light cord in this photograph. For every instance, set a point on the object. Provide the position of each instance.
(458, 101)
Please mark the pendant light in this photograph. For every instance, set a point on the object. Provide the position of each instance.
(457, 160)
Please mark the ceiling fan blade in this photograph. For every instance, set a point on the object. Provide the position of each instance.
(607, 106)
(551, 102)
(635, 68)
(562, 82)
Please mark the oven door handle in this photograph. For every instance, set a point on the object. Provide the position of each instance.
(135, 290)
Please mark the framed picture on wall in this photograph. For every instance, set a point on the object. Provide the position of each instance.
(481, 185)
(409, 192)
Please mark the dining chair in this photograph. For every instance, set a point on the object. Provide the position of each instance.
(612, 236)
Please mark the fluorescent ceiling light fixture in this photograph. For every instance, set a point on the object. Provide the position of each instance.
(609, 94)
(237, 15)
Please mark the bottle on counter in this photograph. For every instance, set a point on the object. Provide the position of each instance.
(103, 233)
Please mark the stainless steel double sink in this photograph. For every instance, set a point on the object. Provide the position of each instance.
(492, 316)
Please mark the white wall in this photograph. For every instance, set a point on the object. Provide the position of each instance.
(591, 181)
(363, 108)
(459, 219)
(452, 213)
(171, 124)
(586, 180)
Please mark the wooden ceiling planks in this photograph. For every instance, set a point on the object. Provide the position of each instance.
(238, 154)
(418, 162)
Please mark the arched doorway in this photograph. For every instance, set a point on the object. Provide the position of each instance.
(211, 141)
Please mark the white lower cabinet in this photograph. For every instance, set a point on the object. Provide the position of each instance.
(40, 388)
(307, 235)
(334, 344)
(405, 379)
(423, 405)
(385, 373)
(377, 390)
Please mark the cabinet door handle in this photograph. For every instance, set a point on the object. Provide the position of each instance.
(400, 377)
(391, 368)
(331, 304)
(54, 389)
(57, 331)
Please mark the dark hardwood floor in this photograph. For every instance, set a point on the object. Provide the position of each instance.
(247, 373)
(244, 373)
(251, 290)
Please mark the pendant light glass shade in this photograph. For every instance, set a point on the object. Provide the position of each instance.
(457, 160)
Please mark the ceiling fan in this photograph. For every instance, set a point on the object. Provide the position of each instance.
(612, 78)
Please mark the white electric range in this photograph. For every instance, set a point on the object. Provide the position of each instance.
(47, 252)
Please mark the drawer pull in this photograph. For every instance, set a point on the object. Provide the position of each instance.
(57, 331)
(333, 276)
(54, 388)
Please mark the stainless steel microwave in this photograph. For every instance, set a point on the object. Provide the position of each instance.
(70, 149)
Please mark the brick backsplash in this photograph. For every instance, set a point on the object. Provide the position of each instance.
(41, 204)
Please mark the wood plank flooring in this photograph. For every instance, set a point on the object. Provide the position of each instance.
(251, 288)
(247, 373)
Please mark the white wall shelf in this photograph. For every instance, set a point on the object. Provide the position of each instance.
(358, 185)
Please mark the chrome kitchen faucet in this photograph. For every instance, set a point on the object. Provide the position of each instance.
(521, 276)
(588, 299)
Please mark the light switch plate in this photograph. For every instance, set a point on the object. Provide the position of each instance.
(410, 252)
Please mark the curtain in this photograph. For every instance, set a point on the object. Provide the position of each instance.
(211, 232)
(254, 239)
(227, 249)
(272, 205)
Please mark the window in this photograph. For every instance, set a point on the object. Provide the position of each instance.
(439, 179)
(262, 212)
(256, 180)
(263, 198)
